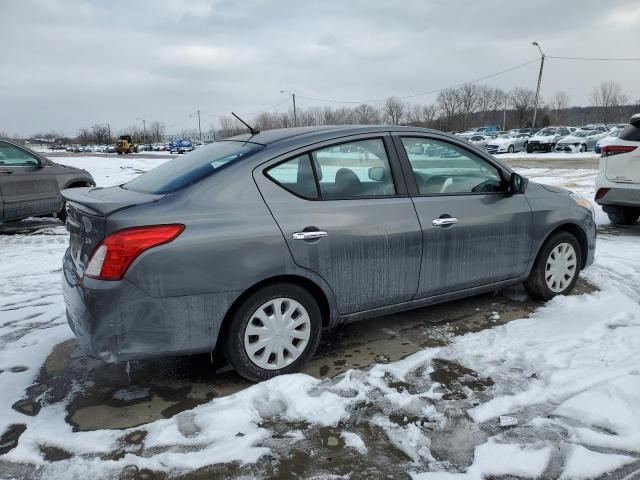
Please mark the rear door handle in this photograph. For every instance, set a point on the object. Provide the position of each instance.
(313, 235)
(443, 222)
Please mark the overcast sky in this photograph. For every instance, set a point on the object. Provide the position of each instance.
(70, 64)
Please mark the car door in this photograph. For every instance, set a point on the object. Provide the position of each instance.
(474, 232)
(345, 214)
(27, 187)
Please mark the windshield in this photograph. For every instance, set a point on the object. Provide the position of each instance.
(547, 132)
(504, 135)
(582, 134)
(192, 167)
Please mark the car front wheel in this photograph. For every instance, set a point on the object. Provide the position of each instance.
(275, 331)
(556, 269)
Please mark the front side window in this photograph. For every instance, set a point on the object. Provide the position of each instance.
(354, 170)
(12, 156)
(186, 170)
(442, 168)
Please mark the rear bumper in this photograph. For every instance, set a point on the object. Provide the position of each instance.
(116, 321)
(618, 195)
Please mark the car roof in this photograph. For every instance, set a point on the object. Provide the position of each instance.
(297, 134)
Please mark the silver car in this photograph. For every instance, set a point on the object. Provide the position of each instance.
(580, 141)
(257, 243)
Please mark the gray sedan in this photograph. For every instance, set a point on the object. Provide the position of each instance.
(30, 184)
(256, 243)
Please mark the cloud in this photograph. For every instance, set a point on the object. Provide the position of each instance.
(71, 63)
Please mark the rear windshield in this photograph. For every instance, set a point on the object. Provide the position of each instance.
(630, 133)
(186, 170)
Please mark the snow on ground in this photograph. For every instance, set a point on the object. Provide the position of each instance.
(569, 374)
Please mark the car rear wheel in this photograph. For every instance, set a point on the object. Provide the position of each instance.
(275, 331)
(556, 269)
(510, 149)
(583, 148)
(624, 216)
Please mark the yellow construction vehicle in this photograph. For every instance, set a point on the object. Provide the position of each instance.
(125, 145)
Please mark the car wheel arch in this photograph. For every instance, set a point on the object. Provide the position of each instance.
(326, 304)
(78, 183)
(573, 229)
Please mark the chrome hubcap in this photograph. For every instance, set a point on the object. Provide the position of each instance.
(561, 267)
(277, 333)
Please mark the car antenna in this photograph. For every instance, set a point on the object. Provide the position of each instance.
(251, 129)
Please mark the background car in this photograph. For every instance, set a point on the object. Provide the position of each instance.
(618, 180)
(255, 243)
(579, 141)
(30, 184)
(545, 140)
(507, 143)
(480, 141)
(610, 138)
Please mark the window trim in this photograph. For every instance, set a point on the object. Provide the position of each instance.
(412, 184)
(313, 169)
(395, 165)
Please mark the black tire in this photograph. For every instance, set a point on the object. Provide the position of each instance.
(233, 345)
(583, 148)
(624, 216)
(510, 149)
(62, 214)
(529, 149)
(536, 284)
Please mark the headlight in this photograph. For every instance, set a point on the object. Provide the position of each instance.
(584, 203)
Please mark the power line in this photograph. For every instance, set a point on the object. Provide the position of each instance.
(429, 92)
(597, 59)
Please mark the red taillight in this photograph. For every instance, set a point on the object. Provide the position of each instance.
(601, 193)
(609, 150)
(115, 253)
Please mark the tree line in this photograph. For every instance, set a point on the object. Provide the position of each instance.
(454, 109)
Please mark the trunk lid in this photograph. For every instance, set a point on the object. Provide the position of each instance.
(87, 212)
(624, 167)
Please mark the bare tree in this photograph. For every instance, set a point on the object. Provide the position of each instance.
(365, 114)
(560, 101)
(468, 95)
(449, 103)
(100, 133)
(85, 135)
(156, 131)
(394, 110)
(605, 96)
(622, 101)
(522, 100)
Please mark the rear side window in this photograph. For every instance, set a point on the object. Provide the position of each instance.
(630, 133)
(341, 172)
(186, 170)
(354, 170)
(296, 176)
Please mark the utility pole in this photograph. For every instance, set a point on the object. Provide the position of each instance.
(109, 133)
(293, 98)
(199, 128)
(535, 106)
(504, 115)
(144, 129)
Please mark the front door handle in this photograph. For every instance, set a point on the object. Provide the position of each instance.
(312, 235)
(444, 222)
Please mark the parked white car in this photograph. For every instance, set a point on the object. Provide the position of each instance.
(545, 140)
(618, 180)
(480, 141)
(507, 143)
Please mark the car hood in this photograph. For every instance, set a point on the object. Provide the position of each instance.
(572, 139)
(543, 139)
(554, 189)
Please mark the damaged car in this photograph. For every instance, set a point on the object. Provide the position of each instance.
(545, 140)
(579, 141)
(256, 244)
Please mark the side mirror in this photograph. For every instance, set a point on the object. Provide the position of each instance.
(517, 183)
(376, 174)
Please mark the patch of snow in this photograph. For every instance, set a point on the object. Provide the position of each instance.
(353, 440)
(583, 463)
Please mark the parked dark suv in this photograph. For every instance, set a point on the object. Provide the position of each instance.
(256, 243)
(30, 184)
